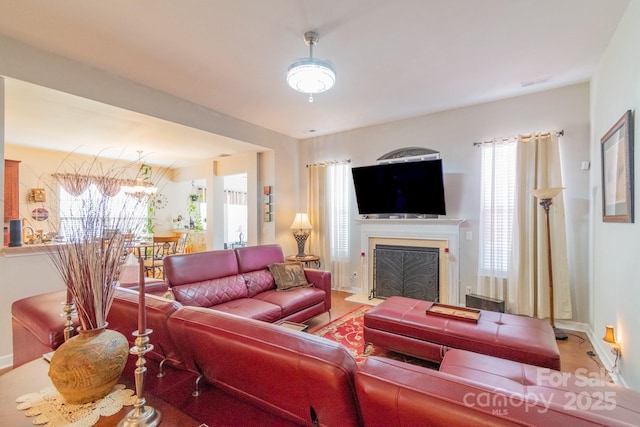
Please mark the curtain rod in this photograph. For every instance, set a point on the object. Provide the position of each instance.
(524, 137)
(330, 162)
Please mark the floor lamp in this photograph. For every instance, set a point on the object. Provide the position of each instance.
(545, 195)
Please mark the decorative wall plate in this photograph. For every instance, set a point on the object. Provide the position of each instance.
(40, 214)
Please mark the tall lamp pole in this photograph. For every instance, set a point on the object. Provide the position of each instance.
(545, 195)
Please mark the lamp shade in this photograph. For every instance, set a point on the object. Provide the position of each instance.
(609, 335)
(546, 193)
(301, 222)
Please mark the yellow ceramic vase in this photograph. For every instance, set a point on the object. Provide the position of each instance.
(86, 367)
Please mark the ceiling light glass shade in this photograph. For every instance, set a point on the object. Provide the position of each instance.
(140, 189)
(311, 76)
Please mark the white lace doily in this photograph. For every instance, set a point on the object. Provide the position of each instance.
(49, 408)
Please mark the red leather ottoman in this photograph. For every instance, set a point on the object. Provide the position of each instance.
(402, 325)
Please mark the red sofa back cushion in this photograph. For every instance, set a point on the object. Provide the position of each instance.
(199, 266)
(205, 279)
(252, 258)
(295, 375)
(252, 264)
(123, 317)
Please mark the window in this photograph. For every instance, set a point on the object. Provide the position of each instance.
(73, 209)
(498, 176)
(338, 210)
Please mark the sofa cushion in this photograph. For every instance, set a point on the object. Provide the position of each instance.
(196, 267)
(294, 299)
(252, 258)
(252, 308)
(587, 399)
(211, 292)
(288, 275)
(258, 281)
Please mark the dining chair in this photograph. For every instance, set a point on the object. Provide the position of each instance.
(182, 243)
(162, 246)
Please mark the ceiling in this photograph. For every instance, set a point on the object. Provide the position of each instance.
(394, 60)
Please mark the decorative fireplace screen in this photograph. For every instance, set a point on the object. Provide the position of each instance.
(407, 271)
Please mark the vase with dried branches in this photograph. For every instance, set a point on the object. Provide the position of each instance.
(87, 366)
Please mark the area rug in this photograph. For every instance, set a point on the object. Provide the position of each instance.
(348, 331)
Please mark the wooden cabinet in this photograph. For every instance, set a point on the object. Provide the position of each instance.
(11, 190)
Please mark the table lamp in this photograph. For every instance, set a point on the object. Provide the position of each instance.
(301, 228)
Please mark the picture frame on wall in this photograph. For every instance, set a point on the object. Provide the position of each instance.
(617, 171)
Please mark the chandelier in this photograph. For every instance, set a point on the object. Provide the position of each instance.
(142, 186)
(311, 75)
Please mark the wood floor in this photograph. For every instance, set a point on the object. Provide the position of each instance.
(573, 351)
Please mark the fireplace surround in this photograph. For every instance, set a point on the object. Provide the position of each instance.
(443, 234)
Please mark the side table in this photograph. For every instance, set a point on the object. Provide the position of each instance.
(312, 261)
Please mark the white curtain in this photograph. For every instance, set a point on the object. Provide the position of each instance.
(538, 166)
(328, 210)
(496, 216)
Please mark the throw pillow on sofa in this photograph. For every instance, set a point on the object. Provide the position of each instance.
(288, 275)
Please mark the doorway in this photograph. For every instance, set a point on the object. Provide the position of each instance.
(235, 211)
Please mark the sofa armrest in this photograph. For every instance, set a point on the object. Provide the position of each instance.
(321, 279)
(151, 286)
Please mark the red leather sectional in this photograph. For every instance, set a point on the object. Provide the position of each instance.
(258, 373)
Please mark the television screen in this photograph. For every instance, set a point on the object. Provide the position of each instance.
(400, 188)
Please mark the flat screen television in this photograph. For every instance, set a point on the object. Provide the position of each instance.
(400, 188)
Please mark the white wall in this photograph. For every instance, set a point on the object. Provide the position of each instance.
(615, 247)
(453, 133)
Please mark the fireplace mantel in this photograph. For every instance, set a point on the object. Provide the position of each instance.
(443, 230)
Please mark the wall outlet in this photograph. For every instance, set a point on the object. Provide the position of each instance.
(467, 290)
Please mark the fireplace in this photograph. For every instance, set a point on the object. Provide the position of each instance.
(408, 271)
(441, 235)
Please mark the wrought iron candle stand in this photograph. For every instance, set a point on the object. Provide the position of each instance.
(141, 414)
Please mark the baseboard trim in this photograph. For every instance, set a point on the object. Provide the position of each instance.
(6, 361)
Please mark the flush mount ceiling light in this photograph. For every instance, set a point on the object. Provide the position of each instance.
(311, 75)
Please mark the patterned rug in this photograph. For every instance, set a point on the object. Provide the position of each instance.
(348, 331)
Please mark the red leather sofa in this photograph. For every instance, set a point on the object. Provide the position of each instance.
(238, 282)
(472, 389)
(298, 377)
(37, 326)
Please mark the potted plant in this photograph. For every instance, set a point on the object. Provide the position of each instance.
(193, 210)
